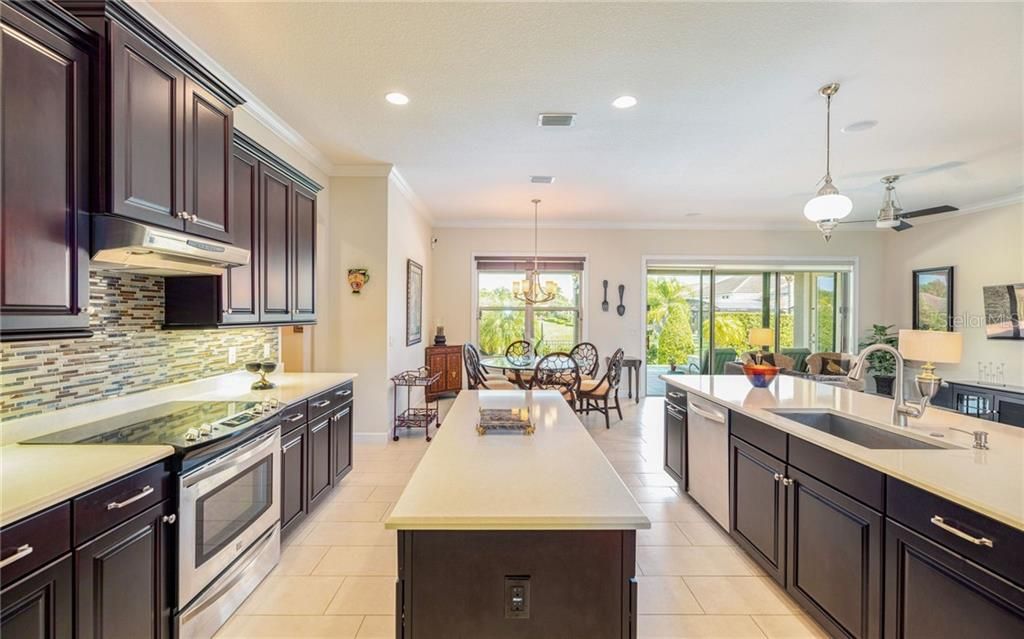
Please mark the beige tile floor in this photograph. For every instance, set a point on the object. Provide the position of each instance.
(337, 571)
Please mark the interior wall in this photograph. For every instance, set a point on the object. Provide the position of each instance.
(359, 239)
(984, 248)
(409, 234)
(617, 255)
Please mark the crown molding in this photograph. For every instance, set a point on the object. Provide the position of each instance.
(256, 108)
(361, 170)
(624, 226)
(421, 207)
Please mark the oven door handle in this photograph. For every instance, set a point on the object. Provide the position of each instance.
(236, 457)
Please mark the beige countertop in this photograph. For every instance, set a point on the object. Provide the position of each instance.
(34, 477)
(554, 479)
(990, 481)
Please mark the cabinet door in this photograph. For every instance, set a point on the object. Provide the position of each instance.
(275, 200)
(208, 167)
(319, 460)
(147, 98)
(1010, 411)
(834, 558)
(437, 362)
(931, 591)
(453, 370)
(241, 283)
(341, 438)
(44, 247)
(757, 500)
(121, 580)
(675, 457)
(303, 255)
(293, 477)
(40, 605)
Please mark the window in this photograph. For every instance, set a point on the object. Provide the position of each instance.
(502, 319)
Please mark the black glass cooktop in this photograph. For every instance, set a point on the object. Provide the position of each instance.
(162, 424)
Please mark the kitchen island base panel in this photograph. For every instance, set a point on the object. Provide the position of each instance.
(453, 583)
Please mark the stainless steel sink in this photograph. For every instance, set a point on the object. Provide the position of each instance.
(856, 431)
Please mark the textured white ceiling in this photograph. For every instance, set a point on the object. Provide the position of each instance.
(729, 124)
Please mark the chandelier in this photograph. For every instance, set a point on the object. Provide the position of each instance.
(828, 205)
(530, 290)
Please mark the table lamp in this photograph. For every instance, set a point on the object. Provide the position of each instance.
(930, 347)
(762, 338)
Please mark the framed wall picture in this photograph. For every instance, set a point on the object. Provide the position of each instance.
(933, 299)
(413, 303)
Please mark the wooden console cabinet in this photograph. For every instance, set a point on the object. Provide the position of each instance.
(448, 361)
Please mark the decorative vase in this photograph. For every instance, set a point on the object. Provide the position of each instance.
(760, 375)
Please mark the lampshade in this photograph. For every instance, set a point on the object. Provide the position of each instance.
(938, 347)
(830, 206)
(761, 337)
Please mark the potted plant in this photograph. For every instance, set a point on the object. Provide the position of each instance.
(672, 364)
(882, 364)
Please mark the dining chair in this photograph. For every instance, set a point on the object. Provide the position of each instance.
(475, 379)
(558, 371)
(595, 394)
(586, 356)
(482, 370)
(519, 352)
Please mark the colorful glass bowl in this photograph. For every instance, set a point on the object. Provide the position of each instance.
(760, 375)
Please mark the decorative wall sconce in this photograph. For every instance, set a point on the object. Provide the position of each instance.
(357, 279)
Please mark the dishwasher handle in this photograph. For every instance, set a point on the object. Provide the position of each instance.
(706, 413)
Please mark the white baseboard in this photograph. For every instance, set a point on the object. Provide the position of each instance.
(370, 438)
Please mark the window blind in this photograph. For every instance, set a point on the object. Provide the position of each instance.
(520, 263)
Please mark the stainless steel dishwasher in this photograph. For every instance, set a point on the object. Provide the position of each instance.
(708, 457)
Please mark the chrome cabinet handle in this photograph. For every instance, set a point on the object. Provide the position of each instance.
(294, 418)
(777, 477)
(675, 395)
(322, 403)
(343, 393)
(23, 551)
(145, 492)
(290, 445)
(786, 481)
(193, 217)
(673, 413)
(977, 541)
(182, 215)
(169, 519)
(317, 429)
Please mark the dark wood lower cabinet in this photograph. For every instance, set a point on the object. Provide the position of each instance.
(834, 557)
(294, 472)
(932, 592)
(578, 583)
(675, 443)
(319, 459)
(40, 605)
(341, 440)
(122, 580)
(758, 502)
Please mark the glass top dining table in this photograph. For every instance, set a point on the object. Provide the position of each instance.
(516, 366)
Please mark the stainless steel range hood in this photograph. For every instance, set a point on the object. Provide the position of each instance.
(121, 244)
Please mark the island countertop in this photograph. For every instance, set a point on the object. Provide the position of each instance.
(990, 482)
(555, 479)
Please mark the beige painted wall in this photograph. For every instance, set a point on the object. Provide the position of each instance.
(984, 248)
(617, 255)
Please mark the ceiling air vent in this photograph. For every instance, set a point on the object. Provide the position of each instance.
(542, 179)
(556, 119)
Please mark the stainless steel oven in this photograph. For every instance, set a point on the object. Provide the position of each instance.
(229, 539)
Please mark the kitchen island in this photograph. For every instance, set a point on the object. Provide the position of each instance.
(513, 535)
(875, 530)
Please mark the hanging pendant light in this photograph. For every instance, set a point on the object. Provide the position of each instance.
(530, 289)
(828, 206)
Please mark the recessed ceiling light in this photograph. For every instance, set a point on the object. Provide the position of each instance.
(624, 102)
(542, 179)
(693, 215)
(397, 98)
(857, 127)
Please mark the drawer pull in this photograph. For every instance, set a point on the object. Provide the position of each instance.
(322, 403)
(977, 541)
(786, 481)
(23, 551)
(674, 412)
(145, 492)
(778, 477)
(343, 393)
(294, 418)
(675, 395)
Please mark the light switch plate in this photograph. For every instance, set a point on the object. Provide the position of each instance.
(232, 354)
(266, 350)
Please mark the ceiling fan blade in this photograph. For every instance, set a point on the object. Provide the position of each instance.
(857, 221)
(935, 210)
(902, 226)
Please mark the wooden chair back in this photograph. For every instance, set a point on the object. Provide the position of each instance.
(587, 358)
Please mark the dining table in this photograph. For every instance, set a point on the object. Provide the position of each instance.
(515, 365)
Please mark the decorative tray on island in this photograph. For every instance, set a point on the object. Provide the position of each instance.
(505, 420)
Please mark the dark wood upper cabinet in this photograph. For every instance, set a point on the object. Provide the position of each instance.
(209, 126)
(275, 245)
(44, 247)
(241, 283)
(146, 141)
(303, 254)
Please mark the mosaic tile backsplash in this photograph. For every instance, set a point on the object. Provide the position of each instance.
(128, 352)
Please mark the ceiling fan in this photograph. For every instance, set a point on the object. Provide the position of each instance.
(891, 215)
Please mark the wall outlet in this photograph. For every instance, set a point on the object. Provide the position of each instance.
(266, 350)
(232, 354)
(517, 597)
